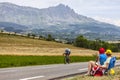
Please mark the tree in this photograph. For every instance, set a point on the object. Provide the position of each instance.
(1, 31)
(33, 36)
(40, 37)
(50, 38)
(80, 41)
(28, 35)
(14, 33)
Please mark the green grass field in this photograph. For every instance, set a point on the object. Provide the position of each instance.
(15, 61)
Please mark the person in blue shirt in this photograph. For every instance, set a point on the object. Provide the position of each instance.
(101, 58)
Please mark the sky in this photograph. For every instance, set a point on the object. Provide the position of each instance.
(102, 10)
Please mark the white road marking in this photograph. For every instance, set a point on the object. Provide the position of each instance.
(43, 67)
(32, 78)
(8, 71)
(83, 69)
(46, 67)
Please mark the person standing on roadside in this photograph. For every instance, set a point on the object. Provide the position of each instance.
(66, 55)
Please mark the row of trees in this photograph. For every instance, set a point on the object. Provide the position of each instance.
(48, 38)
(30, 35)
(80, 41)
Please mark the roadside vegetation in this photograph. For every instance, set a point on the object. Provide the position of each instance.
(105, 77)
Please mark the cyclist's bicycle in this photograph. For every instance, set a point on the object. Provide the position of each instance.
(67, 59)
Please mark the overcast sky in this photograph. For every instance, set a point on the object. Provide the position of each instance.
(103, 10)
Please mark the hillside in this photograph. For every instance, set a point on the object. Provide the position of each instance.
(17, 45)
(12, 27)
(61, 21)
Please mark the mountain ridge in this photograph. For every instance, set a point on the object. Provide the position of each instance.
(58, 20)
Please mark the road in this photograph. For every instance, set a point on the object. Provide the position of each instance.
(44, 72)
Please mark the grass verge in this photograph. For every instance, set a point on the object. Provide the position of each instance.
(106, 77)
(15, 61)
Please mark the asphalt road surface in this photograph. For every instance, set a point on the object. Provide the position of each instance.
(44, 72)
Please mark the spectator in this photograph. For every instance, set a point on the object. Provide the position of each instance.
(97, 69)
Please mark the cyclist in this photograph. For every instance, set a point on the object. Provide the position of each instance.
(67, 55)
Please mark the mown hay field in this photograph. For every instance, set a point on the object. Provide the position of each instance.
(17, 45)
